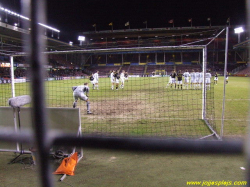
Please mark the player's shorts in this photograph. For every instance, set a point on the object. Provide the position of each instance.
(80, 95)
(216, 78)
(179, 82)
(93, 82)
(112, 80)
(193, 80)
(186, 80)
(117, 81)
(173, 81)
(126, 78)
(208, 81)
(122, 80)
(226, 78)
(200, 81)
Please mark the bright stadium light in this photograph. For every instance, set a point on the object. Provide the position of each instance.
(48, 27)
(238, 31)
(81, 39)
(70, 43)
(26, 18)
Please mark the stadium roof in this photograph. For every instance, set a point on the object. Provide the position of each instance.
(242, 45)
(151, 32)
(11, 40)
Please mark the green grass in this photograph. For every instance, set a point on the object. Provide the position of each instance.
(236, 105)
(145, 107)
(107, 168)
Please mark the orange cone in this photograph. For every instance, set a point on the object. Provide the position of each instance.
(68, 165)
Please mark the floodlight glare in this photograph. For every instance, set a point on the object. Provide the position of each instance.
(238, 30)
(81, 38)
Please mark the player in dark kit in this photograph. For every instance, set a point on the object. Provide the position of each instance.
(117, 77)
(215, 78)
(173, 76)
(91, 78)
(179, 78)
(126, 76)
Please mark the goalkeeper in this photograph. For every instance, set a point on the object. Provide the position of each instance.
(81, 92)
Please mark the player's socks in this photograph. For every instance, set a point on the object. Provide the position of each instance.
(181, 86)
(88, 106)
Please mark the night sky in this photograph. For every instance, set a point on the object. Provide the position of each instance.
(74, 16)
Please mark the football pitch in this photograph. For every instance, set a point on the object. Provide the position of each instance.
(138, 111)
(148, 106)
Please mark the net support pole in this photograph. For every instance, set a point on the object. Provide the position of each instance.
(204, 96)
(204, 83)
(12, 78)
(224, 92)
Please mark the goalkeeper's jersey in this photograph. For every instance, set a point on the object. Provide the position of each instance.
(82, 88)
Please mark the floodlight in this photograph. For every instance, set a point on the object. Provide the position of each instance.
(81, 38)
(238, 30)
(70, 43)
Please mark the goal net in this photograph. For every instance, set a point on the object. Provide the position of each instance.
(147, 105)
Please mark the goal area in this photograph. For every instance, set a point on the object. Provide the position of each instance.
(147, 106)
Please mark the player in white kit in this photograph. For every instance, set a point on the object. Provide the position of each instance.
(186, 79)
(122, 78)
(208, 80)
(192, 81)
(96, 80)
(197, 79)
(112, 79)
(81, 92)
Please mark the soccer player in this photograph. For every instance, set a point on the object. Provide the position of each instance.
(215, 78)
(208, 80)
(117, 77)
(153, 73)
(197, 79)
(81, 92)
(227, 78)
(96, 80)
(172, 77)
(126, 76)
(91, 78)
(192, 75)
(122, 76)
(112, 79)
(200, 79)
(179, 78)
(186, 79)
